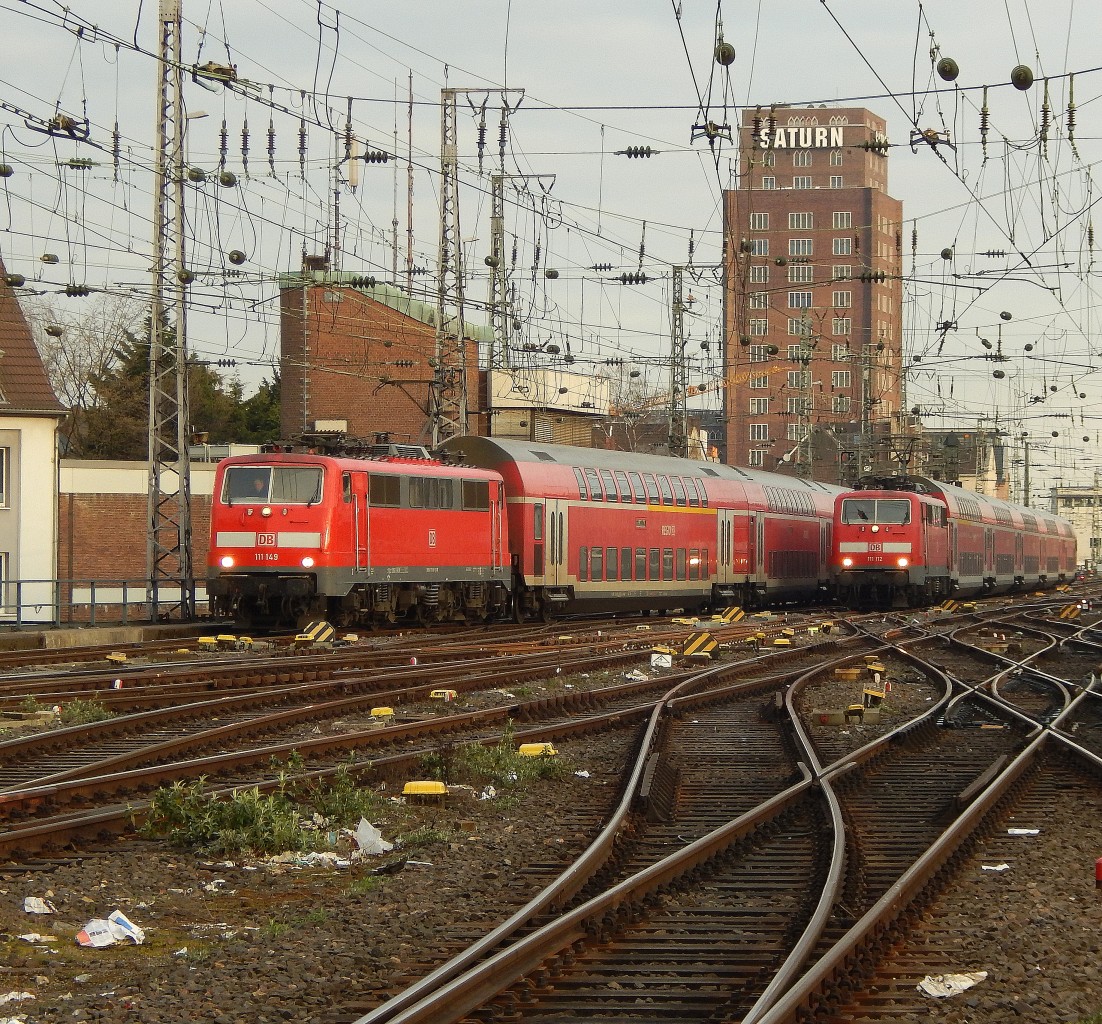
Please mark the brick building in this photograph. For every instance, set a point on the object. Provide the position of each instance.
(814, 322)
(356, 356)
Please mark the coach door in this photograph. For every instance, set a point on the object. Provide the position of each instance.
(497, 514)
(725, 546)
(756, 543)
(555, 545)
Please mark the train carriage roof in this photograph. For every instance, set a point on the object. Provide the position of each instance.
(500, 453)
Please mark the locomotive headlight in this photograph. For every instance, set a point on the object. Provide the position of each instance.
(307, 562)
(265, 511)
(847, 562)
(226, 561)
(902, 563)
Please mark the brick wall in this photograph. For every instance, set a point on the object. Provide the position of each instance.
(351, 370)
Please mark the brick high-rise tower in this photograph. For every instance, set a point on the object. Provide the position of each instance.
(814, 322)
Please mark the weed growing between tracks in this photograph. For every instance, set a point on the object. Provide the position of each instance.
(297, 816)
(76, 712)
(499, 764)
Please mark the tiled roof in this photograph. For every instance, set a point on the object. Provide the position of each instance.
(24, 387)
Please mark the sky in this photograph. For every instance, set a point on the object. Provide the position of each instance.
(597, 78)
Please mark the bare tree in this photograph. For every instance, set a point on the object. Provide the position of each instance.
(79, 345)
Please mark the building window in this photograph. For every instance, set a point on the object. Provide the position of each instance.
(795, 406)
(842, 300)
(801, 181)
(794, 352)
(835, 158)
(798, 378)
(794, 431)
(759, 273)
(843, 246)
(795, 327)
(759, 382)
(838, 352)
(799, 300)
(841, 272)
(799, 247)
(840, 403)
(5, 462)
(842, 219)
(759, 300)
(759, 353)
(769, 160)
(839, 378)
(836, 181)
(759, 431)
(801, 158)
(759, 406)
(800, 222)
(768, 183)
(760, 222)
(801, 273)
(755, 457)
(759, 246)
(759, 328)
(840, 325)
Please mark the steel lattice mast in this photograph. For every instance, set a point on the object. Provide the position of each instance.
(448, 392)
(168, 537)
(679, 415)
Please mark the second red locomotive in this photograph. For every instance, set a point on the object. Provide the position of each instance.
(913, 541)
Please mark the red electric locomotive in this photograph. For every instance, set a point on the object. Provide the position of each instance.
(356, 540)
(913, 541)
(600, 530)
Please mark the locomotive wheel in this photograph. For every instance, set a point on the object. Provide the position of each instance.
(545, 610)
(518, 611)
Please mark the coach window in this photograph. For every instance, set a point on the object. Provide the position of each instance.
(640, 563)
(346, 488)
(581, 483)
(667, 563)
(655, 564)
(703, 493)
(385, 491)
(704, 571)
(444, 494)
(690, 486)
(694, 564)
(667, 493)
(622, 484)
(595, 492)
(598, 565)
(680, 564)
(416, 495)
(612, 570)
(637, 488)
(678, 490)
(610, 485)
(652, 489)
(583, 564)
(625, 563)
(537, 521)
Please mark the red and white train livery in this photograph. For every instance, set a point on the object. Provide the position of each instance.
(913, 541)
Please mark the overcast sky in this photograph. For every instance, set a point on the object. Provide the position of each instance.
(597, 78)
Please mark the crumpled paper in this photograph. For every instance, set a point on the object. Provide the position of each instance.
(942, 986)
(117, 927)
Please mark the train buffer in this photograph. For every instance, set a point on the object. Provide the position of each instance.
(700, 645)
(730, 615)
(318, 632)
(949, 606)
(1070, 611)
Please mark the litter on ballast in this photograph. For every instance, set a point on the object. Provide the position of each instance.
(583, 774)
(99, 932)
(38, 905)
(489, 793)
(370, 840)
(37, 937)
(15, 997)
(1023, 831)
(996, 867)
(942, 986)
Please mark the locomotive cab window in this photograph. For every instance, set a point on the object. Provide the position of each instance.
(346, 488)
(476, 495)
(385, 491)
(887, 511)
(288, 485)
